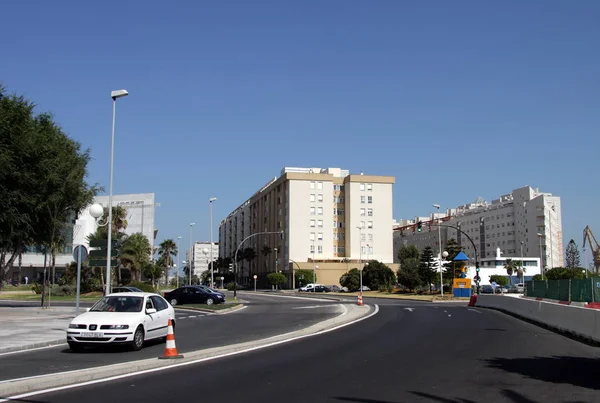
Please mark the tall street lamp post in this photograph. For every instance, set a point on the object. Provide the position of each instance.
(177, 271)
(360, 258)
(114, 95)
(437, 206)
(191, 256)
(212, 275)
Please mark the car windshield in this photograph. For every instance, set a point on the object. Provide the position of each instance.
(208, 289)
(118, 303)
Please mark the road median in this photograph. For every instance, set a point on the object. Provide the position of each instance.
(11, 388)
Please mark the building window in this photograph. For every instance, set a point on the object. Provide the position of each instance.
(362, 199)
(334, 224)
(335, 250)
(320, 223)
(341, 249)
(362, 212)
(362, 237)
(320, 236)
(370, 212)
(312, 223)
(369, 186)
(362, 186)
(334, 211)
(312, 248)
(362, 250)
(371, 250)
(320, 249)
(319, 185)
(369, 224)
(320, 197)
(370, 237)
(340, 211)
(312, 211)
(341, 224)
(319, 210)
(312, 236)
(369, 199)
(312, 185)
(362, 224)
(312, 197)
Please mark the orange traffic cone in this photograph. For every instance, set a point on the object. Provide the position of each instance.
(360, 301)
(170, 349)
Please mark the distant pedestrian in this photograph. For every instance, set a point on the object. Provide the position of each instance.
(26, 280)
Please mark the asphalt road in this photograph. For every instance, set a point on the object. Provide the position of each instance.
(265, 316)
(418, 353)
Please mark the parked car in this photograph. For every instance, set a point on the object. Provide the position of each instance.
(130, 318)
(308, 287)
(115, 290)
(194, 294)
(334, 288)
(211, 290)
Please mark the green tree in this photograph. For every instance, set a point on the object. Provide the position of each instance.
(500, 280)
(537, 277)
(563, 273)
(408, 274)
(351, 280)
(266, 251)
(377, 275)
(511, 268)
(427, 267)
(572, 255)
(135, 254)
(407, 252)
(276, 279)
(153, 271)
(249, 255)
(303, 277)
(167, 250)
(42, 180)
(453, 249)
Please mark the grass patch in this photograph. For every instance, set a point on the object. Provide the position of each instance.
(38, 297)
(213, 307)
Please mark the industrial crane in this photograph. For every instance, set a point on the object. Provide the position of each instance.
(588, 236)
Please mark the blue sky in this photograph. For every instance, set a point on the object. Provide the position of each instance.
(456, 99)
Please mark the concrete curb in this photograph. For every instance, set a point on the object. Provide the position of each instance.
(34, 345)
(13, 387)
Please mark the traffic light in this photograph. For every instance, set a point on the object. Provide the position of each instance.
(419, 226)
(230, 267)
(477, 269)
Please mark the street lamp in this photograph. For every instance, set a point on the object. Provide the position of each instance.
(177, 271)
(541, 255)
(360, 258)
(205, 252)
(314, 266)
(212, 276)
(191, 257)
(437, 206)
(114, 95)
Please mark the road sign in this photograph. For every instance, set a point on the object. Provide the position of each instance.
(222, 278)
(102, 243)
(83, 253)
(494, 284)
(255, 277)
(101, 253)
(102, 263)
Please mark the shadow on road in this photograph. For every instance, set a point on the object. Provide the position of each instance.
(577, 371)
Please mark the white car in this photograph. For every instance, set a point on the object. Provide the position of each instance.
(129, 317)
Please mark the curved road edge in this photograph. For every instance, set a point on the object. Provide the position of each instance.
(64, 380)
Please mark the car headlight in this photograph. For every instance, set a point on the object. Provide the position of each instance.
(116, 327)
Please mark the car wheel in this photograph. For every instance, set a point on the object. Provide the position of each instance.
(75, 347)
(210, 301)
(138, 339)
(173, 301)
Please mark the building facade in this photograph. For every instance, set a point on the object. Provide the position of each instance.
(201, 256)
(312, 218)
(523, 223)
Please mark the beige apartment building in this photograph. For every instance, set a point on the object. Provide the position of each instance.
(326, 220)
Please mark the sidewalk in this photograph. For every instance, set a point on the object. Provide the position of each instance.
(30, 327)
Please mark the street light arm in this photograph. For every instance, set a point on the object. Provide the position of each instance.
(235, 259)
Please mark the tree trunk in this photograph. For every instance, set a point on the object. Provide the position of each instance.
(44, 279)
(20, 266)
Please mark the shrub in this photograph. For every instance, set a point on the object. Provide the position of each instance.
(143, 286)
(37, 288)
(232, 286)
(63, 290)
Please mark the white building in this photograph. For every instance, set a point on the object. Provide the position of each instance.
(140, 218)
(326, 216)
(201, 256)
(525, 222)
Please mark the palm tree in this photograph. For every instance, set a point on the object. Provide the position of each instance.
(520, 269)
(249, 255)
(266, 251)
(510, 266)
(167, 250)
(135, 253)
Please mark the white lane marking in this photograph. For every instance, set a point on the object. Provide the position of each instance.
(315, 306)
(183, 364)
(449, 315)
(192, 316)
(234, 311)
(473, 310)
(409, 309)
(345, 310)
(445, 311)
(33, 349)
(290, 296)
